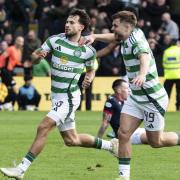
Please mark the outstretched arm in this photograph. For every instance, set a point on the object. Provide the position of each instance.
(37, 55)
(108, 37)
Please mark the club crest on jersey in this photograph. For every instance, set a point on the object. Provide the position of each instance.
(77, 53)
(64, 59)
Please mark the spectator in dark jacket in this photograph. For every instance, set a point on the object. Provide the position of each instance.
(4, 23)
(19, 15)
(28, 97)
(44, 17)
(152, 12)
(60, 14)
(30, 45)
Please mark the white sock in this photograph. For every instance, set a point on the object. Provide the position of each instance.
(24, 165)
(124, 171)
(136, 136)
(106, 145)
(136, 139)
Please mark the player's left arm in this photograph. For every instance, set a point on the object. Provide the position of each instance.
(90, 68)
(89, 76)
(144, 67)
(141, 52)
(144, 64)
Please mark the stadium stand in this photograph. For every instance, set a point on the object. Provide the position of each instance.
(47, 17)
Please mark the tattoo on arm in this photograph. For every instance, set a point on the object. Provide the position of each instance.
(107, 116)
(104, 125)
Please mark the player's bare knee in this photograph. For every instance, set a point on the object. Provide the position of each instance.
(45, 126)
(71, 142)
(42, 129)
(123, 136)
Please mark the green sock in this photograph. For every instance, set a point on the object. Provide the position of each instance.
(30, 156)
(124, 161)
(98, 143)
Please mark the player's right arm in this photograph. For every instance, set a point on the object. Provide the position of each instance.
(105, 123)
(42, 52)
(108, 37)
(37, 55)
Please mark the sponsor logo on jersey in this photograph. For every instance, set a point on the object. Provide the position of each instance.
(66, 68)
(63, 67)
(64, 59)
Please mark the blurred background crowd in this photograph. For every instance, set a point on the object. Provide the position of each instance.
(25, 24)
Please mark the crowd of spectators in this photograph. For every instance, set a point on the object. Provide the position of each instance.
(34, 20)
(25, 24)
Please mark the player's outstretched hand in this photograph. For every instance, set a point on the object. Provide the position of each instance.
(139, 80)
(41, 53)
(38, 55)
(87, 40)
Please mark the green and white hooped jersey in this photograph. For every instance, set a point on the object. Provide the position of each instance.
(67, 63)
(131, 48)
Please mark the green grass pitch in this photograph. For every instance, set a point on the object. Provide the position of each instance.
(58, 162)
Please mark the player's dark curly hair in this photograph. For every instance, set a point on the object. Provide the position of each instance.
(84, 18)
